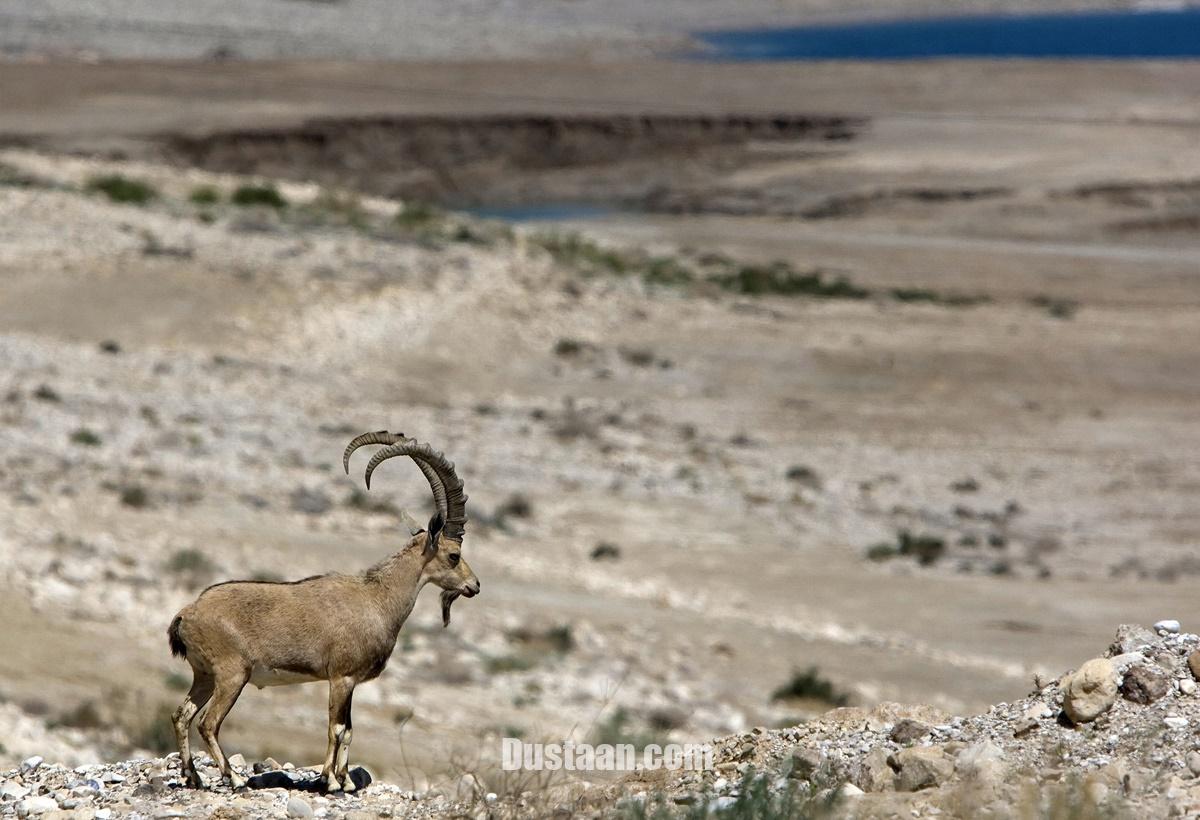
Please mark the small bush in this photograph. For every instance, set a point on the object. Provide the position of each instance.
(247, 195)
(810, 685)
(1057, 308)
(927, 549)
(508, 663)
(156, 733)
(781, 279)
(578, 252)
(204, 195)
(177, 681)
(616, 729)
(881, 552)
(267, 576)
(417, 215)
(192, 567)
(606, 551)
(85, 437)
(804, 475)
(515, 506)
(934, 297)
(365, 502)
(136, 496)
(45, 392)
(122, 189)
(637, 356)
(84, 716)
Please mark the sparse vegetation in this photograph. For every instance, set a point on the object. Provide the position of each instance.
(811, 685)
(802, 474)
(417, 215)
(136, 496)
(177, 681)
(617, 729)
(45, 392)
(192, 567)
(85, 437)
(779, 278)
(85, 715)
(155, 731)
(934, 297)
(204, 195)
(605, 551)
(926, 549)
(755, 798)
(363, 501)
(266, 194)
(125, 190)
(1056, 307)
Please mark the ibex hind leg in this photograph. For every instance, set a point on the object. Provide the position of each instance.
(229, 684)
(341, 690)
(197, 696)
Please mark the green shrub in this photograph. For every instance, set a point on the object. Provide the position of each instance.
(779, 278)
(85, 437)
(417, 215)
(268, 194)
(810, 685)
(204, 195)
(84, 716)
(177, 681)
(616, 730)
(122, 189)
(136, 496)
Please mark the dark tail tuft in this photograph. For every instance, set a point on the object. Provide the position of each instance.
(178, 648)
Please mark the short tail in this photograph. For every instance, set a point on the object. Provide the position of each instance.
(178, 647)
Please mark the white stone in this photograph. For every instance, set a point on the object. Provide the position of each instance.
(31, 764)
(490, 797)
(850, 790)
(1168, 625)
(1193, 763)
(33, 806)
(14, 791)
(103, 814)
(298, 808)
(1175, 722)
(1187, 686)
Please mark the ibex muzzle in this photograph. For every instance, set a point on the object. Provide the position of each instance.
(337, 628)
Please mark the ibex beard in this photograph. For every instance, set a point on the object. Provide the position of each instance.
(336, 628)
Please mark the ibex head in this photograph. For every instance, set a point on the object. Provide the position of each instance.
(442, 541)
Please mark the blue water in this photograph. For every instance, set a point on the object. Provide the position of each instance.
(1122, 35)
(541, 211)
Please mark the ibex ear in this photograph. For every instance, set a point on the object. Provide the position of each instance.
(435, 531)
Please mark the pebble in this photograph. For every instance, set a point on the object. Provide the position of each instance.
(31, 764)
(1168, 626)
(1187, 686)
(1175, 722)
(1193, 763)
(298, 807)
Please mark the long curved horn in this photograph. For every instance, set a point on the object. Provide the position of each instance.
(384, 437)
(452, 486)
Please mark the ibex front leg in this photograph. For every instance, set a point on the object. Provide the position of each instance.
(341, 690)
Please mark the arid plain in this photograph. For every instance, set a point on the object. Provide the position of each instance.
(1014, 375)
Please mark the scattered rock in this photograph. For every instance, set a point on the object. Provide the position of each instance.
(31, 764)
(906, 731)
(1187, 686)
(873, 773)
(1175, 722)
(35, 806)
(298, 807)
(1168, 626)
(1194, 664)
(1144, 684)
(921, 767)
(1193, 763)
(805, 762)
(1090, 691)
(1131, 638)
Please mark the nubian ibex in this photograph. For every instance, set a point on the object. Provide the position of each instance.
(336, 628)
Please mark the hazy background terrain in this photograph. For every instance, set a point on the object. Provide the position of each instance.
(874, 381)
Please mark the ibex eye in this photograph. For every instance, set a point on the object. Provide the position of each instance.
(454, 559)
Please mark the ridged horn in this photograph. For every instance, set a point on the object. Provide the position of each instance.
(452, 487)
(393, 439)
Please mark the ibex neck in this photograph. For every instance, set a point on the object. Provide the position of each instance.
(399, 579)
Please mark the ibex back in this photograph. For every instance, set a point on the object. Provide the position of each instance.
(336, 628)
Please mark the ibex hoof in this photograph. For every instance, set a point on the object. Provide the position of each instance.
(236, 781)
(332, 785)
(348, 783)
(192, 779)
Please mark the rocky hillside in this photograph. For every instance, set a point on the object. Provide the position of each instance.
(1115, 737)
